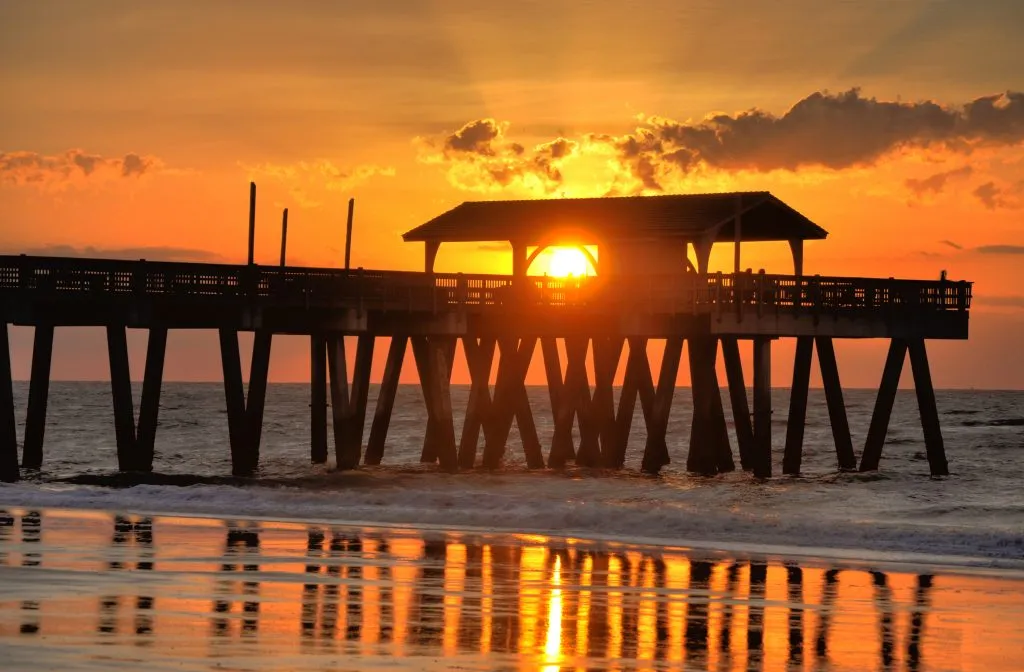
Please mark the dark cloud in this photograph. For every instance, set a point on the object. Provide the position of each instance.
(31, 168)
(480, 157)
(832, 131)
(1001, 301)
(994, 197)
(1001, 249)
(153, 253)
(936, 183)
(950, 243)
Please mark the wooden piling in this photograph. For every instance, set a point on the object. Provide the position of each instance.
(445, 449)
(386, 400)
(349, 406)
(318, 398)
(421, 351)
(793, 455)
(720, 431)
(739, 403)
(557, 455)
(634, 379)
(607, 353)
(149, 405)
(701, 457)
(256, 398)
(512, 403)
(928, 409)
(656, 451)
(9, 471)
(883, 405)
(234, 398)
(38, 393)
(479, 358)
(121, 389)
(836, 407)
(762, 407)
(337, 370)
(562, 446)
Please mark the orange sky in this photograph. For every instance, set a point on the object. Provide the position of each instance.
(132, 130)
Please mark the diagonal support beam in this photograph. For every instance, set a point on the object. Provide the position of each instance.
(386, 400)
(480, 359)
(656, 451)
(739, 403)
(793, 455)
(836, 407)
(928, 409)
(883, 405)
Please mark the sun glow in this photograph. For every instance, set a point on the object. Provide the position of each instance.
(566, 261)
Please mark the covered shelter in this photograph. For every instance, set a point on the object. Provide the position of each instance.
(633, 234)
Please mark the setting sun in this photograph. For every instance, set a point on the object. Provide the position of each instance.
(566, 261)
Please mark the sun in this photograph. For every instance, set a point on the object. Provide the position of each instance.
(566, 261)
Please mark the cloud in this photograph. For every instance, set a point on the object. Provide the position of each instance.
(303, 176)
(1001, 249)
(480, 157)
(950, 243)
(994, 197)
(75, 166)
(150, 253)
(936, 183)
(1000, 301)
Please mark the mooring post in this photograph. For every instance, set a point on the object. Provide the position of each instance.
(386, 400)
(252, 222)
(739, 403)
(149, 405)
(928, 409)
(883, 405)
(121, 388)
(9, 471)
(38, 393)
(318, 398)
(793, 455)
(836, 407)
(763, 406)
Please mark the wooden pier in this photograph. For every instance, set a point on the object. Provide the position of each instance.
(646, 289)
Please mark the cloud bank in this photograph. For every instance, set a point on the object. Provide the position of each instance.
(22, 168)
(823, 131)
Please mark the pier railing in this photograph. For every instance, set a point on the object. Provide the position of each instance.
(417, 292)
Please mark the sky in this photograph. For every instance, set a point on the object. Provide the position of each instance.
(132, 130)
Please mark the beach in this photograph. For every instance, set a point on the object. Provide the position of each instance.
(402, 567)
(97, 590)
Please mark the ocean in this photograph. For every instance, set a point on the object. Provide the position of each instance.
(403, 567)
(973, 517)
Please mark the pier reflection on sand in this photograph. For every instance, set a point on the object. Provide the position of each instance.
(90, 590)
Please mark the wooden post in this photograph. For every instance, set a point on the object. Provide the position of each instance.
(447, 454)
(480, 358)
(557, 395)
(738, 399)
(121, 387)
(421, 351)
(511, 402)
(38, 392)
(252, 222)
(636, 364)
(928, 409)
(149, 406)
(607, 353)
(284, 235)
(234, 397)
(318, 398)
(883, 405)
(589, 453)
(656, 451)
(762, 407)
(9, 471)
(701, 457)
(793, 455)
(386, 400)
(337, 369)
(348, 233)
(836, 408)
(562, 447)
(719, 430)
(256, 399)
(353, 412)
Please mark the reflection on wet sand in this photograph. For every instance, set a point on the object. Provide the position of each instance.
(314, 591)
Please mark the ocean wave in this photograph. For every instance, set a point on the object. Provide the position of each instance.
(669, 511)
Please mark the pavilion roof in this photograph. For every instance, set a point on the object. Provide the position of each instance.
(591, 220)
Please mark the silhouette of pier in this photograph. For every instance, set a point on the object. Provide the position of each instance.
(646, 289)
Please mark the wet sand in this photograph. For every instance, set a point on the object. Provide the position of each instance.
(94, 590)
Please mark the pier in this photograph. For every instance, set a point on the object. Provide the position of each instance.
(646, 288)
